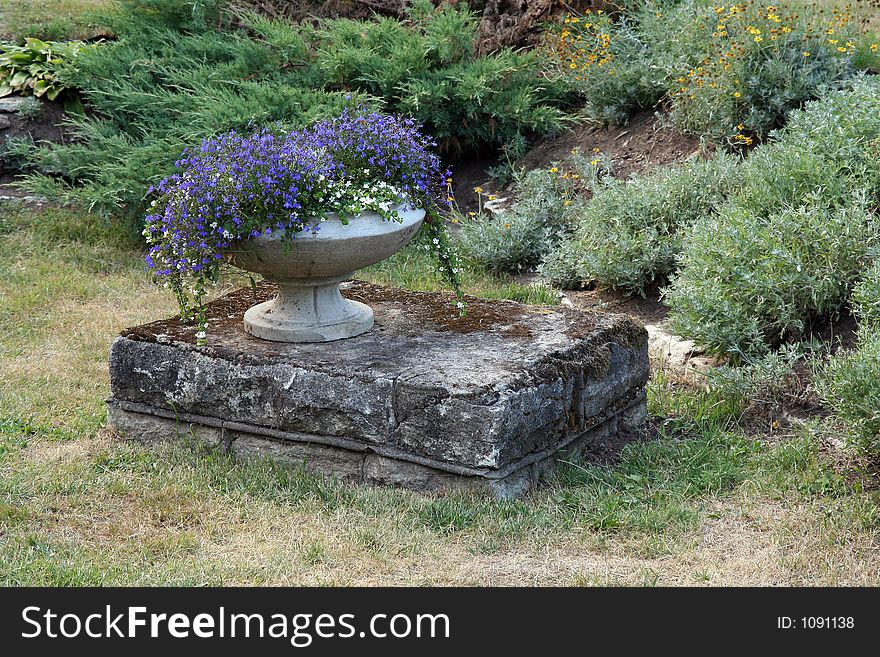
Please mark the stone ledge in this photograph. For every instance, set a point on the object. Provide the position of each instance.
(422, 399)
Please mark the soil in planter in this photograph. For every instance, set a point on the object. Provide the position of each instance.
(424, 311)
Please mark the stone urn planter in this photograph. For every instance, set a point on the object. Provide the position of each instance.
(308, 270)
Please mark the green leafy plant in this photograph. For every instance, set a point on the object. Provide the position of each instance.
(630, 235)
(425, 67)
(607, 62)
(794, 239)
(32, 68)
(30, 108)
(865, 300)
(849, 384)
(764, 59)
(184, 71)
(749, 281)
(522, 235)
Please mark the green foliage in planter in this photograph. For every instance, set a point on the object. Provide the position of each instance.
(631, 233)
(31, 69)
(180, 71)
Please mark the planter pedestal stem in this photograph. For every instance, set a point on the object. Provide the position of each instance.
(308, 310)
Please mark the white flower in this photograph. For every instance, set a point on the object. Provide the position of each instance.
(201, 335)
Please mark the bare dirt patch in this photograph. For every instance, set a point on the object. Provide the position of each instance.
(645, 143)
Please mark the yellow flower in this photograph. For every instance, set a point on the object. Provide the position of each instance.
(736, 94)
(874, 47)
(594, 162)
(472, 214)
(553, 169)
(758, 39)
(506, 226)
(478, 190)
(806, 54)
(492, 197)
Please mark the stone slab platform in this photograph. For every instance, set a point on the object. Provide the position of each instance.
(426, 400)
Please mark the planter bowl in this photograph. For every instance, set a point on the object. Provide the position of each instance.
(308, 269)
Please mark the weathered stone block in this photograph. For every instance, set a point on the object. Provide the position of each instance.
(425, 400)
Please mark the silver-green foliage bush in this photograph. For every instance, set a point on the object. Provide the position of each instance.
(749, 281)
(866, 298)
(522, 236)
(795, 238)
(629, 236)
(766, 380)
(849, 383)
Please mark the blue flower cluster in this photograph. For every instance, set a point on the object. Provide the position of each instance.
(239, 186)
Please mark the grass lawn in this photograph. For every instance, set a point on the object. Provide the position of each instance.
(56, 20)
(704, 503)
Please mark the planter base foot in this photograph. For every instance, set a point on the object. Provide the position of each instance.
(308, 313)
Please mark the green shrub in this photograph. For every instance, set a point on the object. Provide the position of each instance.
(793, 239)
(15, 153)
(748, 282)
(763, 59)
(179, 72)
(426, 68)
(532, 227)
(866, 298)
(629, 236)
(849, 384)
(609, 64)
(829, 149)
(770, 379)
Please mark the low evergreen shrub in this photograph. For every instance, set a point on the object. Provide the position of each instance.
(182, 71)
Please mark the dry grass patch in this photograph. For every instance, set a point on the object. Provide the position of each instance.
(703, 504)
